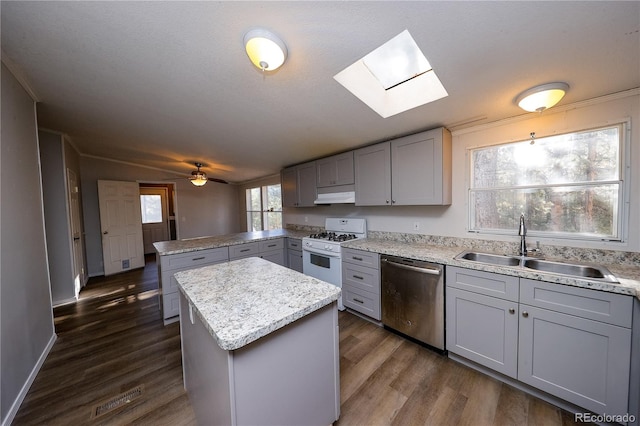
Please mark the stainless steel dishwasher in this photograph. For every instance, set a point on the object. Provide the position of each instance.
(413, 299)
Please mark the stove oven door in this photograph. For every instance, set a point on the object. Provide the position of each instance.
(324, 266)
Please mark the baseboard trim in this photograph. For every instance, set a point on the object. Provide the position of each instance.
(25, 388)
(65, 302)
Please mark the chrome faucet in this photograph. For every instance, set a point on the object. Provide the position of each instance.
(522, 231)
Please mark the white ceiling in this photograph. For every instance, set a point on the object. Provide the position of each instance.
(165, 84)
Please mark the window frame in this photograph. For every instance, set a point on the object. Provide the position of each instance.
(264, 211)
(621, 215)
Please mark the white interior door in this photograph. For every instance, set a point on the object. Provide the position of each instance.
(121, 226)
(76, 232)
(155, 216)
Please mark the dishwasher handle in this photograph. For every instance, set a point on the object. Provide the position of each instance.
(412, 268)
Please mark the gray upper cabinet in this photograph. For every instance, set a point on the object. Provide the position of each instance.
(413, 170)
(299, 185)
(335, 170)
(373, 175)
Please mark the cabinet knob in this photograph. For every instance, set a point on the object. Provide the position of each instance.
(525, 314)
(512, 311)
(387, 201)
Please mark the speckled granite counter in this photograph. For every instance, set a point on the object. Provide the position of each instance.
(165, 248)
(244, 300)
(627, 275)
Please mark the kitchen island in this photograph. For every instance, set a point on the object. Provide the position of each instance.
(259, 344)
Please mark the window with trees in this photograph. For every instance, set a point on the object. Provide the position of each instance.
(264, 208)
(568, 185)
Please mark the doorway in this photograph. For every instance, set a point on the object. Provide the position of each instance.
(158, 224)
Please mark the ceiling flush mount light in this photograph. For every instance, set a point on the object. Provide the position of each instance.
(541, 97)
(198, 178)
(265, 50)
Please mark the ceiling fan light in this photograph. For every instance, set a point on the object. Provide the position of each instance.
(198, 178)
(265, 50)
(542, 97)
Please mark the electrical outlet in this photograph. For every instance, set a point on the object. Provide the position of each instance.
(306, 219)
(416, 226)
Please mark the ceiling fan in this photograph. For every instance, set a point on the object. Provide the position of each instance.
(199, 178)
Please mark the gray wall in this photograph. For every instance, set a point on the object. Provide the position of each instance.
(208, 210)
(25, 300)
(57, 226)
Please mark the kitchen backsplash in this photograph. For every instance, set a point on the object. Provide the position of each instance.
(503, 247)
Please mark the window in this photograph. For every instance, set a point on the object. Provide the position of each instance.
(151, 206)
(264, 208)
(568, 185)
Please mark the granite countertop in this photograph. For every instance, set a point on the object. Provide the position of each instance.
(244, 300)
(165, 248)
(627, 275)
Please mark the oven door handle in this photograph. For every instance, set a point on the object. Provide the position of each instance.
(413, 268)
(320, 252)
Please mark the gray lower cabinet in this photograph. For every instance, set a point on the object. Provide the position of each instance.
(271, 250)
(169, 265)
(483, 329)
(572, 343)
(566, 353)
(294, 254)
(361, 282)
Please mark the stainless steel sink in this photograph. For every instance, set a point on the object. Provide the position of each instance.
(572, 269)
(494, 259)
(592, 272)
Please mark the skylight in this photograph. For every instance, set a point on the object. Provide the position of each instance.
(394, 78)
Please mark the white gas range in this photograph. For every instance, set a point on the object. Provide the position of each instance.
(322, 252)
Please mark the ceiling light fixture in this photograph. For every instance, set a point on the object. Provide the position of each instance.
(542, 97)
(265, 50)
(198, 178)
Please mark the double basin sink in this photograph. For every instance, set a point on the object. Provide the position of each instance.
(591, 272)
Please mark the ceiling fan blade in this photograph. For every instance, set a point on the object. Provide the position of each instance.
(218, 180)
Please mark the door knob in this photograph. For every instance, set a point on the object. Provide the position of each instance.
(525, 314)
(512, 311)
(105, 232)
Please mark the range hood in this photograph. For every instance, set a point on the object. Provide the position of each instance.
(347, 197)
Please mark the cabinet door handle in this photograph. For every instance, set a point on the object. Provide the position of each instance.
(356, 258)
(271, 245)
(358, 277)
(294, 245)
(243, 250)
(525, 314)
(358, 300)
(512, 311)
(197, 258)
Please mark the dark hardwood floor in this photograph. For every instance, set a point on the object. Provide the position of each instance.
(113, 339)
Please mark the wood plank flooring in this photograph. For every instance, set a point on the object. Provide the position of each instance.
(113, 339)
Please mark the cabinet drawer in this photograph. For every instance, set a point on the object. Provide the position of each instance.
(270, 245)
(193, 259)
(610, 308)
(361, 277)
(496, 285)
(360, 257)
(171, 305)
(294, 244)
(243, 250)
(362, 301)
